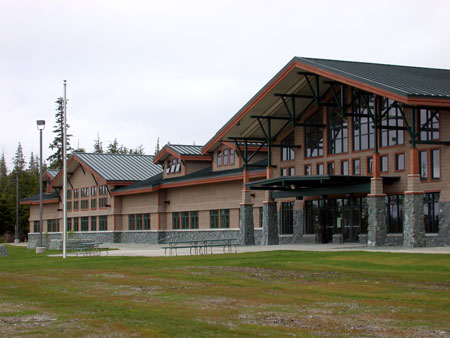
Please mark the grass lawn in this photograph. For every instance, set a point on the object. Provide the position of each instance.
(273, 294)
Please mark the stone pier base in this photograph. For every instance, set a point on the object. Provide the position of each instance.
(246, 228)
(444, 223)
(269, 224)
(298, 221)
(377, 231)
(413, 226)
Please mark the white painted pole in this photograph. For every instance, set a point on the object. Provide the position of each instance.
(64, 225)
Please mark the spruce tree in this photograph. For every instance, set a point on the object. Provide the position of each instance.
(56, 158)
(113, 148)
(98, 145)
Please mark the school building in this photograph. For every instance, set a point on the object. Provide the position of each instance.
(326, 151)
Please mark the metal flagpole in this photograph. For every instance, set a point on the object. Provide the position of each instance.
(64, 225)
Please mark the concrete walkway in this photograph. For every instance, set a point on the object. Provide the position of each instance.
(157, 250)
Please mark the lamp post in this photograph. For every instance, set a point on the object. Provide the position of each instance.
(40, 126)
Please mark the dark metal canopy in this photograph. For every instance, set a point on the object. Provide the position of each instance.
(315, 185)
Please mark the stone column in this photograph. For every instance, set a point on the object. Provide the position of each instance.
(270, 222)
(298, 221)
(246, 227)
(377, 230)
(444, 222)
(413, 225)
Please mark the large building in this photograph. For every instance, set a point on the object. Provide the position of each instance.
(326, 151)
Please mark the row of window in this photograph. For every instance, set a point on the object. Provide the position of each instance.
(77, 224)
(173, 166)
(84, 204)
(429, 166)
(225, 157)
(363, 128)
(139, 222)
(185, 220)
(84, 192)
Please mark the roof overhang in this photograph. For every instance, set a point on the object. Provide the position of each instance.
(288, 81)
(166, 152)
(316, 185)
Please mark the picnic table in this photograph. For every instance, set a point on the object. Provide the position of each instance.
(200, 246)
(85, 247)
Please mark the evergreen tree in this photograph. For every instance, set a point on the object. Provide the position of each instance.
(139, 150)
(98, 145)
(113, 148)
(19, 159)
(3, 168)
(33, 166)
(157, 146)
(56, 158)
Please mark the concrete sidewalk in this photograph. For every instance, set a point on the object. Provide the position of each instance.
(157, 250)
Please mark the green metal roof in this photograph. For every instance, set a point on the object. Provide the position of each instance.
(119, 167)
(45, 197)
(403, 80)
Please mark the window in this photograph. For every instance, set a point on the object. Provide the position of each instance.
(330, 168)
(139, 222)
(168, 167)
(194, 219)
(75, 224)
(75, 205)
(431, 212)
(214, 219)
(320, 169)
(185, 220)
(429, 125)
(84, 192)
(369, 165)
(93, 191)
(287, 148)
(423, 161)
(102, 223)
(225, 157)
(102, 202)
(384, 163)
(146, 221)
(337, 132)
(52, 225)
(391, 117)
(363, 127)
(435, 164)
(102, 190)
(75, 193)
(84, 223)
(231, 156)
(314, 135)
(93, 223)
(287, 171)
(400, 162)
(356, 167)
(93, 204)
(178, 167)
(394, 209)
(36, 226)
(344, 167)
(69, 205)
(69, 194)
(175, 220)
(69, 224)
(219, 158)
(84, 204)
(308, 169)
(225, 218)
(287, 225)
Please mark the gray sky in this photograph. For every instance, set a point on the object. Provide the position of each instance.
(178, 70)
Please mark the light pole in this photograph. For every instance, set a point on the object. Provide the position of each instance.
(40, 126)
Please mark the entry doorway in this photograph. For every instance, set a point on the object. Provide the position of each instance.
(327, 217)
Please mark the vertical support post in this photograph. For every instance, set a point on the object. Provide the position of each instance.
(40, 188)
(377, 230)
(64, 225)
(413, 218)
(16, 228)
(246, 227)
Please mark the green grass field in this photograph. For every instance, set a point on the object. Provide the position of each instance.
(273, 294)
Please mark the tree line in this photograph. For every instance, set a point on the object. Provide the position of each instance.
(26, 175)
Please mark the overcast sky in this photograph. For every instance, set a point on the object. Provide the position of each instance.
(178, 70)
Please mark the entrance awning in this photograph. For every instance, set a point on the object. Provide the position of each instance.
(316, 185)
